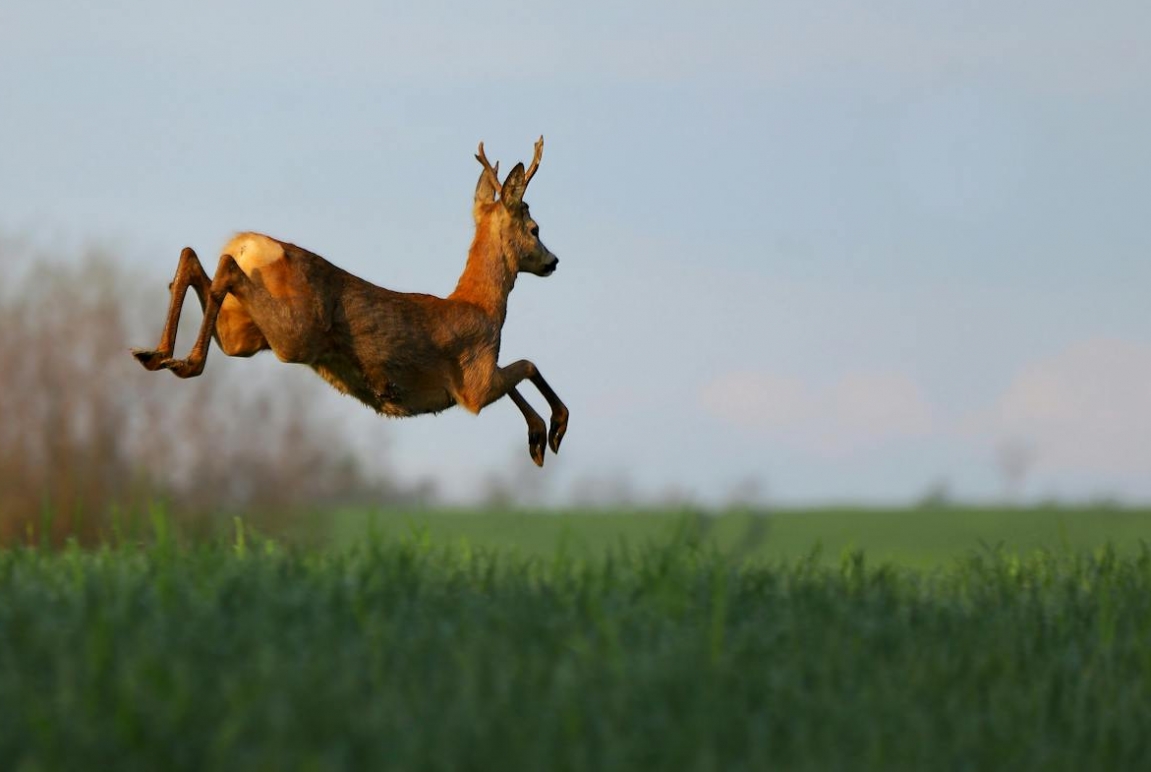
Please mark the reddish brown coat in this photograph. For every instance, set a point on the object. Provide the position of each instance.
(400, 353)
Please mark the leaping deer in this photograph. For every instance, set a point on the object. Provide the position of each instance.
(399, 353)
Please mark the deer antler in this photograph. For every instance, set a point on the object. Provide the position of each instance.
(535, 161)
(493, 173)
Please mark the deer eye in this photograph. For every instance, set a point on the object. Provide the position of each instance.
(536, 231)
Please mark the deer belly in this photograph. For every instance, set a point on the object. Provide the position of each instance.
(411, 393)
(397, 397)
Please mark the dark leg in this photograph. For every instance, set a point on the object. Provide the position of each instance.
(536, 427)
(559, 411)
(505, 383)
(228, 278)
(189, 273)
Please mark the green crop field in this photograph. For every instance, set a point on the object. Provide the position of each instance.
(551, 642)
(918, 538)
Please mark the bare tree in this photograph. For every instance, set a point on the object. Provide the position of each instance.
(82, 431)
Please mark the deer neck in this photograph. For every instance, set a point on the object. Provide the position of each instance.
(487, 279)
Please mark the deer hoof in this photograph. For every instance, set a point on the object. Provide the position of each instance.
(555, 437)
(182, 368)
(152, 360)
(536, 445)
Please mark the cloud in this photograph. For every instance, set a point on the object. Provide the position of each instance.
(860, 411)
(1085, 410)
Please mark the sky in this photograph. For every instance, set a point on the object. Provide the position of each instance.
(843, 250)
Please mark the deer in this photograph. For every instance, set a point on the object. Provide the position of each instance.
(399, 353)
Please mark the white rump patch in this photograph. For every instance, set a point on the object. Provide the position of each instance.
(252, 251)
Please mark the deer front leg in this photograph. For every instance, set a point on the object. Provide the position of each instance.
(504, 381)
(228, 278)
(189, 273)
(536, 427)
(559, 410)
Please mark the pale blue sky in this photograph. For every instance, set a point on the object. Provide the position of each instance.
(847, 247)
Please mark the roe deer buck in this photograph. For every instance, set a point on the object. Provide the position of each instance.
(399, 353)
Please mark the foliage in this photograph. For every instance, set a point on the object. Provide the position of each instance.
(399, 654)
(84, 430)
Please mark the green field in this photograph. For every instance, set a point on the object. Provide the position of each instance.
(920, 538)
(551, 642)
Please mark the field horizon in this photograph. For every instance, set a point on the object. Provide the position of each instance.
(908, 536)
(919, 537)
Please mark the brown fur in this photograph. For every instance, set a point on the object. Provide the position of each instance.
(401, 354)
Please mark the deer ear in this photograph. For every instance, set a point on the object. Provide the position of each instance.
(514, 186)
(485, 189)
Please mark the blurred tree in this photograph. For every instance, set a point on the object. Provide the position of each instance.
(84, 430)
(748, 492)
(1015, 458)
(606, 489)
(936, 496)
(520, 484)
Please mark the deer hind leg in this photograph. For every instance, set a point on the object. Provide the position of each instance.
(189, 273)
(228, 278)
(505, 381)
(236, 332)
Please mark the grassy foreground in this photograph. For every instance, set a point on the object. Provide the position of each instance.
(403, 655)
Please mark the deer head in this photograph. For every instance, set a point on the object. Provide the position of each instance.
(509, 219)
